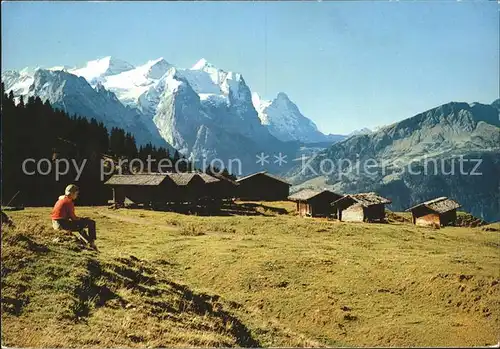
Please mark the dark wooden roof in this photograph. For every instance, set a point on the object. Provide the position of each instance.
(182, 178)
(308, 194)
(154, 179)
(224, 178)
(208, 178)
(439, 205)
(265, 174)
(364, 199)
(137, 179)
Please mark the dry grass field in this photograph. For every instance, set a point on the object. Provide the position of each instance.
(256, 275)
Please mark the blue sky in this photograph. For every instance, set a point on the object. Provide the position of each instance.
(347, 65)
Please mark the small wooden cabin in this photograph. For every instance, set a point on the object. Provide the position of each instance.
(161, 188)
(314, 203)
(363, 207)
(262, 186)
(436, 213)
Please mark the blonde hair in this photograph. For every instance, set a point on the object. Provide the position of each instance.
(70, 189)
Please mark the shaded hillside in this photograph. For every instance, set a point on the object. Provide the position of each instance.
(56, 293)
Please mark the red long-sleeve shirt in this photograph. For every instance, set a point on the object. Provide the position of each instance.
(63, 209)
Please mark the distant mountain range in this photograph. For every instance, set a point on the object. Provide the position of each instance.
(438, 139)
(204, 112)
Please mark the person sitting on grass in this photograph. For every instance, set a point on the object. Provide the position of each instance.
(64, 217)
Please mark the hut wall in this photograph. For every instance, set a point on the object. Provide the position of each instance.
(303, 208)
(428, 220)
(337, 213)
(137, 194)
(118, 195)
(223, 189)
(339, 208)
(262, 187)
(145, 194)
(354, 213)
(196, 189)
(321, 206)
(375, 212)
(448, 218)
(215, 191)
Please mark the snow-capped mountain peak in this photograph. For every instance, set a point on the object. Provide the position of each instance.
(27, 71)
(260, 104)
(282, 96)
(203, 64)
(65, 68)
(285, 121)
(18, 81)
(155, 61)
(206, 74)
(102, 67)
(131, 84)
(209, 82)
(362, 131)
(156, 68)
(256, 101)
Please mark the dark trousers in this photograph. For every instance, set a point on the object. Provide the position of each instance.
(80, 226)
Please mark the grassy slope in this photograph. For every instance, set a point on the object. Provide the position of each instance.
(274, 280)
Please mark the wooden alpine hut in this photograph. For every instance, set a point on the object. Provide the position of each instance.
(438, 212)
(363, 207)
(314, 203)
(263, 186)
